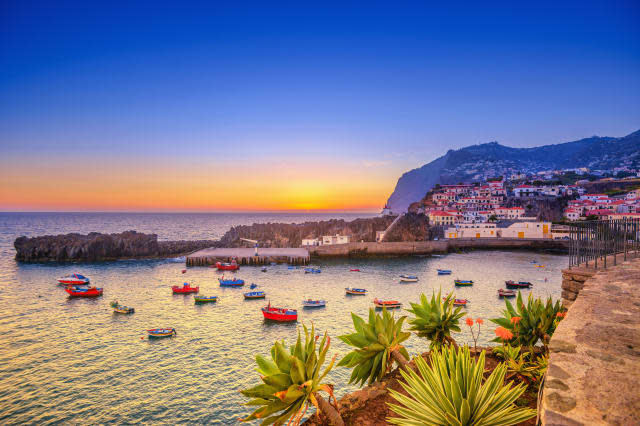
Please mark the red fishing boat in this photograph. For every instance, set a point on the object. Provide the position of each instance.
(354, 270)
(83, 291)
(389, 304)
(184, 289)
(233, 266)
(506, 293)
(458, 302)
(74, 279)
(279, 314)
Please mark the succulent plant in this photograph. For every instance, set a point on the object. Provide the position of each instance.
(435, 319)
(450, 390)
(507, 352)
(378, 344)
(292, 380)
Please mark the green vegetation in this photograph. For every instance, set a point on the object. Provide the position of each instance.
(531, 323)
(378, 343)
(292, 380)
(452, 391)
(435, 319)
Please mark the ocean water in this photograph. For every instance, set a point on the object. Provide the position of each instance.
(74, 361)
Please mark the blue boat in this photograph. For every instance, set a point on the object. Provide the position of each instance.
(311, 271)
(230, 283)
(356, 291)
(255, 295)
(310, 303)
(444, 271)
(408, 279)
(253, 285)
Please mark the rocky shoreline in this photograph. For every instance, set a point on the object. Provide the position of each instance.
(95, 246)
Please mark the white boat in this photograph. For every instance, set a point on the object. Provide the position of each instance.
(310, 303)
(408, 278)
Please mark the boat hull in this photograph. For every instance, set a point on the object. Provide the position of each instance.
(319, 304)
(227, 266)
(92, 292)
(389, 304)
(255, 295)
(238, 283)
(280, 315)
(181, 290)
(205, 299)
(463, 283)
(355, 292)
(158, 333)
(513, 284)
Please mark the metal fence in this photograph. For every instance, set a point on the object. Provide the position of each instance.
(602, 243)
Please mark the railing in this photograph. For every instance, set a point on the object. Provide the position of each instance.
(599, 243)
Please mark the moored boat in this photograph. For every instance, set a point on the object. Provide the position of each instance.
(279, 314)
(444, 271)
(519, 284)
(227, 266)
(205, 299)
(255, 295)
(506, 293)
(539, 266)
(312, 271)
(161, 332)
(121, 309)
(356, 291)
(263, 269)
(235, 282)
(184, 289)
(458, 302)
(253, 285)
(310, 303)
(73, 279)
(389, 304)
(83, 292)
(408, 278)
(354, 270)
(463, 282)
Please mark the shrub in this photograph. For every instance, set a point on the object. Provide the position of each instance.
(435, 319)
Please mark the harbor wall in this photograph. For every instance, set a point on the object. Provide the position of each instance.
(364, 249)
(594, 354)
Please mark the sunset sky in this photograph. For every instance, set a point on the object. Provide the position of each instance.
(184, 108)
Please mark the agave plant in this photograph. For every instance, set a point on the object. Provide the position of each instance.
(450, 390)
(521, 369)
(292, 380)
(378, 344)
(435, 319)
(507, 352)
(536, 321)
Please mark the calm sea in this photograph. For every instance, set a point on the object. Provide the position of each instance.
(74, 361)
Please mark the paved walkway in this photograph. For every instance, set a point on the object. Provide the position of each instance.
(594, 366)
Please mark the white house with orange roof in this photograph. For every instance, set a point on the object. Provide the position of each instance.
(440, 218)
(509, 212)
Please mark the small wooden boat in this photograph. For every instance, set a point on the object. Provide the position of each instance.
(354, 270)
(252, 286)
(121, 309)
(458, 302)
(236, 282)
(312, 271)
(408, 278)
(255, 295)
(161, 332)
(83, 292)
(184, 271)
(539, 266)
(310, 303)
(232, 266)
(389, 304)
(205, 299)
(355, 291)
(444, 271)
(184, 289)
(279, 314)
(506, 293)
(519, 284)
(263, 269)
(463, 283)
(292, 267)
(74, 279)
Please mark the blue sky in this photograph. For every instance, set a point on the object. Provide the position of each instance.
(389, 86)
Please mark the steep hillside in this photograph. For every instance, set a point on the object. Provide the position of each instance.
(479, 162)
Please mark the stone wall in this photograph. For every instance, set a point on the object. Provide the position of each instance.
(594, 363)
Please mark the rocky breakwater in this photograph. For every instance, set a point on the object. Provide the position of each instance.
(97, 247)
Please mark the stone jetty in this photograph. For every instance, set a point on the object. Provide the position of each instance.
(247, 256)
(98, 247)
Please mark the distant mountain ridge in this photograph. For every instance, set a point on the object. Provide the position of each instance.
(492, 159)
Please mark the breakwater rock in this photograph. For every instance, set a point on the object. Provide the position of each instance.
(409, 228)
(96, 247)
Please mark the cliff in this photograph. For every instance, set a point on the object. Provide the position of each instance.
(96, 246)
(476, 162)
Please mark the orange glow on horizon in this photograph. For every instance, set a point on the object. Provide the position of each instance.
(182, 185)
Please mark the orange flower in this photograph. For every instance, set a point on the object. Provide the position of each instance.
(561, 314)
(503, 333)
(469, 321)
(479, 321)
(515, 320)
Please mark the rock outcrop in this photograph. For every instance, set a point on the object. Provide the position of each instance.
(96, 247)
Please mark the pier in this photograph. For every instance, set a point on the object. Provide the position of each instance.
(246, 256)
